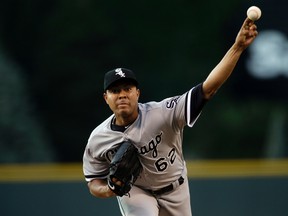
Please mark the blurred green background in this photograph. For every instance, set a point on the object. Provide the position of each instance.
(54, 54)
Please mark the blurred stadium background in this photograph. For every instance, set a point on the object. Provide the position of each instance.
(52, 60)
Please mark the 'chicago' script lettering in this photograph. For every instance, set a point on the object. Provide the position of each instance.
(110, 153)
(152, 146)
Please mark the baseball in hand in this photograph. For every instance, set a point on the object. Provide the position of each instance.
(254, 13)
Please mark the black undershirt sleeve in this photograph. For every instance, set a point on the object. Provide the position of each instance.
(197, 102)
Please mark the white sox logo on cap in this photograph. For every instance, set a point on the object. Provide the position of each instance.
(119, 72)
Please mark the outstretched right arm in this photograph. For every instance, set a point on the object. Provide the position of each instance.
(223, 70)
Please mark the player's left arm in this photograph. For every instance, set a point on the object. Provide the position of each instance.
(99, 188)
(223, 70)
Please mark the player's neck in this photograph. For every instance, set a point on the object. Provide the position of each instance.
(120, 121)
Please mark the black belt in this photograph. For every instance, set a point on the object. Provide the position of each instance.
(166, 189)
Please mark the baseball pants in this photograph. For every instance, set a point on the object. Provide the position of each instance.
(144, 203)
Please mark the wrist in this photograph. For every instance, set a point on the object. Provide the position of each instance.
(108, 192)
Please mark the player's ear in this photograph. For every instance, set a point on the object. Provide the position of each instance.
(105, 97)
(138, 92)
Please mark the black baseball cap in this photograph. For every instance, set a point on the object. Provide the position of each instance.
(119, 74)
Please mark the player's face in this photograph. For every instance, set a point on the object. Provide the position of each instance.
(122, 99)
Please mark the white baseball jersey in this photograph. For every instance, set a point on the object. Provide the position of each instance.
(157, 133)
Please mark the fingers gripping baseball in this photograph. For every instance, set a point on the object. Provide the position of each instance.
(247, 33)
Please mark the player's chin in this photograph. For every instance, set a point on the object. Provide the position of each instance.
(123, 106)
(124, 112)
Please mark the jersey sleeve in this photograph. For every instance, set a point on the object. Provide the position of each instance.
(194, 103)
(94, 168)
(102, 145)
(184, 109)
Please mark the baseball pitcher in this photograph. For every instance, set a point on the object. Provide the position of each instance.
(136, 153)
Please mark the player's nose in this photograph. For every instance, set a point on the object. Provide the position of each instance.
(122, 93)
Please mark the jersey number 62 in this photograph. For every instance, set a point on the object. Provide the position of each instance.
(162, 163)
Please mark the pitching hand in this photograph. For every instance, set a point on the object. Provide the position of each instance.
(247, 34)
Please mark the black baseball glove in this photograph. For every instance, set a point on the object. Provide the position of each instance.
(125, 168)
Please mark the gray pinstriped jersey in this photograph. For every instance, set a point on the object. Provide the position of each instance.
(157, 133)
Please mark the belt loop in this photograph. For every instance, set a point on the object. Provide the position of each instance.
(178, 182)
(175, 184)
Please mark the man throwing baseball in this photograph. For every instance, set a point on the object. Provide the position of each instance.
(155, 130)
